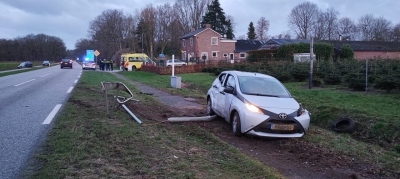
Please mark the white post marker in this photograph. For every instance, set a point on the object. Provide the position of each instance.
(173, 65)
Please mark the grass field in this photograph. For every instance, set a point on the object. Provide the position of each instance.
(14, 65)
(87, 143)
(376, 138)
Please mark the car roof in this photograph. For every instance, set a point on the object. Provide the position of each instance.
(243, 73)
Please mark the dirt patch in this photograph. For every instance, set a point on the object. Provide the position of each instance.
(294, 158)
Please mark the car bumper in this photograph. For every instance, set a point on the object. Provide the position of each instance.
(261, 125)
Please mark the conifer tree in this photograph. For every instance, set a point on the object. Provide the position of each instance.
(216, 17)
(251, 33)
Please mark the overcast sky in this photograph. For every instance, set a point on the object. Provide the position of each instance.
(69, 19)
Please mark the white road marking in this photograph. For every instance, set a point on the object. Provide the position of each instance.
(45, 75)
(70, 89)
(53, 113)
(24, 82)
(75, 81)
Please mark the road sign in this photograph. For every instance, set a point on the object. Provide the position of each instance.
(97, 53)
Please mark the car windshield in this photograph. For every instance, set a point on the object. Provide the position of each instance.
(45, 61)
(89, 61)
(262, 86)
(23, 63)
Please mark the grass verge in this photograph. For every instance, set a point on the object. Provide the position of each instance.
(87, 143)
(375, 140)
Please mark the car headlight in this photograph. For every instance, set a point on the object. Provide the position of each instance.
(253, 108)
(301, 111)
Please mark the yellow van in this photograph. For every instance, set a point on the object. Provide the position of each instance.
(133, 61)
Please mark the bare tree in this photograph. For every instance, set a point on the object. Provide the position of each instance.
(262, 28)
(396, 33)
(347, 28)
(366, 27)
(165, 19)
(241, 37)
(190, 12)
(149, 16)
(320, 27)
(302, 18)
(331, 20)
(382, 29)
(108, 31)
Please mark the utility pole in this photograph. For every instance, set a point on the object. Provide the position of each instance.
(311, 63)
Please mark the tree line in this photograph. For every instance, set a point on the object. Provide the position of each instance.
(38, 47)
(307, 20)
(154, 29)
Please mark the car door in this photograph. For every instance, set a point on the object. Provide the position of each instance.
(216, 93)
(230, 82)
(220, 97)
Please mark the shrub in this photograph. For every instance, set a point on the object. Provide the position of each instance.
(282, 76)
(332, 79)
(396, 148)
(357, 84)
(300, 72)
(316, 82)
(386, 83)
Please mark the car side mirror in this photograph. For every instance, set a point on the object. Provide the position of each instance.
(229, 90)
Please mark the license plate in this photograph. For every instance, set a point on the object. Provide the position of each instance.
(65, 63)
(282, 127)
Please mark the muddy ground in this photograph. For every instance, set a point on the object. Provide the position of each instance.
(295, 159)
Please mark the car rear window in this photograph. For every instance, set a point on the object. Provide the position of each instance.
(65, 60)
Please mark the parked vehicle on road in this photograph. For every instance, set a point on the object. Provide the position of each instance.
(176, 63)
(46, 63)
(256, 104)
(66, 63)
(25, 64)
(133, 61)
(88, 65)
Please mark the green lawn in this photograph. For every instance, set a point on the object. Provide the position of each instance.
(377, 116)
(87, 143)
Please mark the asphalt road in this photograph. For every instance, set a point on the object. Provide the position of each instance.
(28, 103)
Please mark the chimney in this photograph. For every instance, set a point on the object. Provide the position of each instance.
(208, 26)
(193, 29)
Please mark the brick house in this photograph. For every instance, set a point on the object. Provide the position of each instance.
(243, 47)
(370, 49)
(206, 43)
(361, 49)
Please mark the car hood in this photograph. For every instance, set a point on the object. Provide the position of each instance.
(266, 102)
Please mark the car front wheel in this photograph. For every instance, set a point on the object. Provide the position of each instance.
(210, 111)
(236, 126)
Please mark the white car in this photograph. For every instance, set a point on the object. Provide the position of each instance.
(256, 104)
(176, 63)
(89, 65)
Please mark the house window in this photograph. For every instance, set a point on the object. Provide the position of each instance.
(225, 55)
(191, 41)
(183, 42)
(214, 40)
(214, 54)
(242, 55)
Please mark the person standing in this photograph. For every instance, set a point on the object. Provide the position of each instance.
(112, 65)
(107, 65)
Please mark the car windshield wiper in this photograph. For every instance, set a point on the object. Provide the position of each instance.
(259, 94)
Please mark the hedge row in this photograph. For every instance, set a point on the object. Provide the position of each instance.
(382, 73)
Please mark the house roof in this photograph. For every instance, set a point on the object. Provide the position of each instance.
(275, 43)
(248, 45)
(366, 45)
(287, 41)
(194, 33)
